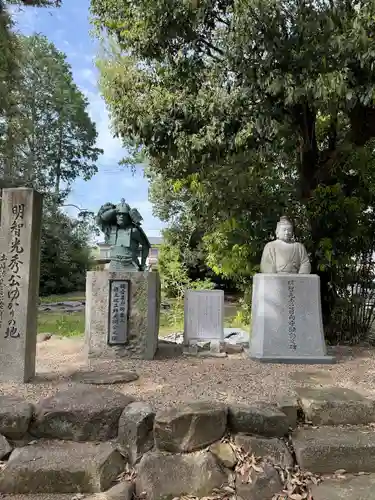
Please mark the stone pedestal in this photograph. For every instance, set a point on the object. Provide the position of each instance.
(286, 319)
(21, 214)
(122, 314)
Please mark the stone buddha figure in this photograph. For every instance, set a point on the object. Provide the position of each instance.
(284, 255)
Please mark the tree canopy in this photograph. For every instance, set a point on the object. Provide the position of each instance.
(255, 108)
(59, 142)
(47, 140)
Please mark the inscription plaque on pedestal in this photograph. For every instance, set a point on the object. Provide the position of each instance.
(118, 312)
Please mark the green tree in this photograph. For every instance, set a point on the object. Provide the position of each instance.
(56, 135)
(261, 105)
(65, 253)
(10, 54)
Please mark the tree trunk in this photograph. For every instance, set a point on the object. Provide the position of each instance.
(309, 175)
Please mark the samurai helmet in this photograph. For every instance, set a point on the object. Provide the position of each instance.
(122, 207)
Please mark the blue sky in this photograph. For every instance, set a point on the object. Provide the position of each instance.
(68, 28)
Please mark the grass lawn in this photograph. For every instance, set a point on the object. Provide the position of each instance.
(73, 324)
(79, 296)
(65, 325)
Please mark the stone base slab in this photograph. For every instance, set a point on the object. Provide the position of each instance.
(286, 317)
(297, 360)
(143, 311)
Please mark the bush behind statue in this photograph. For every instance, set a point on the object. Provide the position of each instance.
(65, 254)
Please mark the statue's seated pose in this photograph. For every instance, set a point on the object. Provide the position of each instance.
(122, 230)
(284, 255)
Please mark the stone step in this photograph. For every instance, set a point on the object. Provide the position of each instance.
(61, 467)
(350, 488)
(121, 491)
(335, 406)
(327, 449)
(79, 413)
(39, 496)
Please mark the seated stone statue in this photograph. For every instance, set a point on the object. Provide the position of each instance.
(284, 255)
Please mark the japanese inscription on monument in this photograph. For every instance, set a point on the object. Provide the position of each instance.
(118, 312)
(3, 268)
(14, 266)
(292, 315)
(20, 229)
(204, 315)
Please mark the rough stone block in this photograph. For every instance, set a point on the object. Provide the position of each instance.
(121, 491)
(203, 316)
(15, 417)
(335, 406)
(264, 485)
(263, 419)
(286, 319)
(61, 467)
(328, 449)
(5, 447)
(289, 405)
(225, 454)
(80, 413)
(104, 378)
(350, 488)
(143, 315)
(272, 448)
(135, 430)
(189, 427)
(20, 229)
(164, 475)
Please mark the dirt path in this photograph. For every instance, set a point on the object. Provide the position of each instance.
(168, 380)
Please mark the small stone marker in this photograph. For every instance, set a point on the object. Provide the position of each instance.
(118, 312)
(204, 315)
(286, 319)
(21, 215)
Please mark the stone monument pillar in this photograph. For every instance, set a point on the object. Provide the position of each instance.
(286, 322)
(21, 215)
(123, 302)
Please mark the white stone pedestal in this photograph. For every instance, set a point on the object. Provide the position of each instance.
(286, 319)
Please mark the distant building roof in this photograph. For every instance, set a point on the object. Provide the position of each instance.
(155, 240)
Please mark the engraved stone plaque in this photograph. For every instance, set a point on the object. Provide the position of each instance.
(204, 315)
(118, 312)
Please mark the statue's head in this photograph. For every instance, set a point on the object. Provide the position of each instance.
(284, 229)
(122, 213)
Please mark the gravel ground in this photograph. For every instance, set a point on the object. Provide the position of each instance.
(171, 379)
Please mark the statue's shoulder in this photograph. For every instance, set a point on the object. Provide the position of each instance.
(270, 245)
(300, 246)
